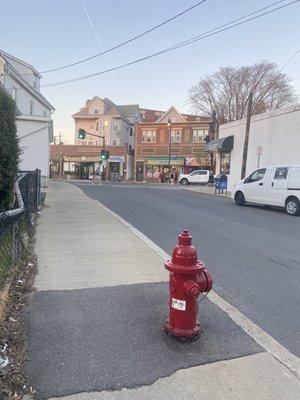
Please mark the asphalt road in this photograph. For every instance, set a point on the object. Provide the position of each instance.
(252, 252)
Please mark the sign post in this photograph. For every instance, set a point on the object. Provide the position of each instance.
(259, 151)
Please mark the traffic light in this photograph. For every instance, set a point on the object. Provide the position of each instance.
(104, 155)
(81, 134)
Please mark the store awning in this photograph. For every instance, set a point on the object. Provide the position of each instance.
(222, 144)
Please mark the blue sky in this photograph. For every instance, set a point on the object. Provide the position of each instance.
(50, 33)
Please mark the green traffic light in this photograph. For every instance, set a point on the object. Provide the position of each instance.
(81, 134)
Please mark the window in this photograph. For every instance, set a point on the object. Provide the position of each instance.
(44, 114)
(105, 125)
(256, 175)
(281, 173)
(199, 135)
(13, 93)
(91, 143)
(97, 126)
(91, 127)
(148, 136)
(96, 111)
(225, 162)
(152, 171)
(84, 142)
(175, 136)
(31, 107)
(117, 126)
(114, 142)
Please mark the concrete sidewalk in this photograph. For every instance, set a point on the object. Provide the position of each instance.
(95, 322)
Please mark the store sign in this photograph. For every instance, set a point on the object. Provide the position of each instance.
(156, 160)
(84, 159)
(119, 159)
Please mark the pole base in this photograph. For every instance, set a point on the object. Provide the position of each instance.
(183, 333)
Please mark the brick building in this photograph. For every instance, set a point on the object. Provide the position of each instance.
(160, 134)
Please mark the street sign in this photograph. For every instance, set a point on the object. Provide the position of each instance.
(259, 150)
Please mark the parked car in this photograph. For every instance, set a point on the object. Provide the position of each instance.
(274, 186)
(197, 176)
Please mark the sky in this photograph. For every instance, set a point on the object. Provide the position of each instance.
(51, 33)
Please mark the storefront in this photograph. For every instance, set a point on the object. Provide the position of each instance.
(193, 163)
(116, 168)
(155, 165)
(221, 149)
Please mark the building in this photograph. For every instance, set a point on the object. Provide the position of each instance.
(274, 139)
(115, 124)
(163, 134)
(34, 123)
(82, 162)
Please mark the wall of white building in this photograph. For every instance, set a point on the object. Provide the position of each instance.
(277, 132)
(34, 143)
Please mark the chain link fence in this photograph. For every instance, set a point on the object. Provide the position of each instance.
(16, 225)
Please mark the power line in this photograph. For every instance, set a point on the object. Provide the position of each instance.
(127, 41)
(290, 59)
(99, 41)
(209, 33)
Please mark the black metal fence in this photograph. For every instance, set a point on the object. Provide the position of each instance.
(16, 225)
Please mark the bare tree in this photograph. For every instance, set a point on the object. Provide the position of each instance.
(227, 91)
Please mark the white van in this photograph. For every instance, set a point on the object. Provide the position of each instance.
(274, 186)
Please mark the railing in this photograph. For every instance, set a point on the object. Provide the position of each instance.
(16, 224)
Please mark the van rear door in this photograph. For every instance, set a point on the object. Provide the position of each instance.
(294, 179)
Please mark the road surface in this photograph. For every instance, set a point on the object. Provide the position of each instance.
(252, 252)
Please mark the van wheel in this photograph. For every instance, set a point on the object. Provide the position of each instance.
(184, 181)
(239, 199)
(292, 206)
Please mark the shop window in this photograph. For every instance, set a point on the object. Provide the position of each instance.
(152, 171)
(199, 135)
(175, 136)
(225, 162)
(148, 136)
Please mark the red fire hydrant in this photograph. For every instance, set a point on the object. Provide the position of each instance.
(188, 278)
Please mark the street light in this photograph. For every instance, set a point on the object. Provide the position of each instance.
(169, 164)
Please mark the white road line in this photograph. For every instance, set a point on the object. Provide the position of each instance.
(266, 341)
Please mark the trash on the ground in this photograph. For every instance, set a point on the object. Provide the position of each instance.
(4, 362)
(11, 319)
(30, 264)
(20, 281)
(3, 348)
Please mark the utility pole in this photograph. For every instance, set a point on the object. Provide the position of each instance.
(245, 151)
(170, 139)
(212, 136)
